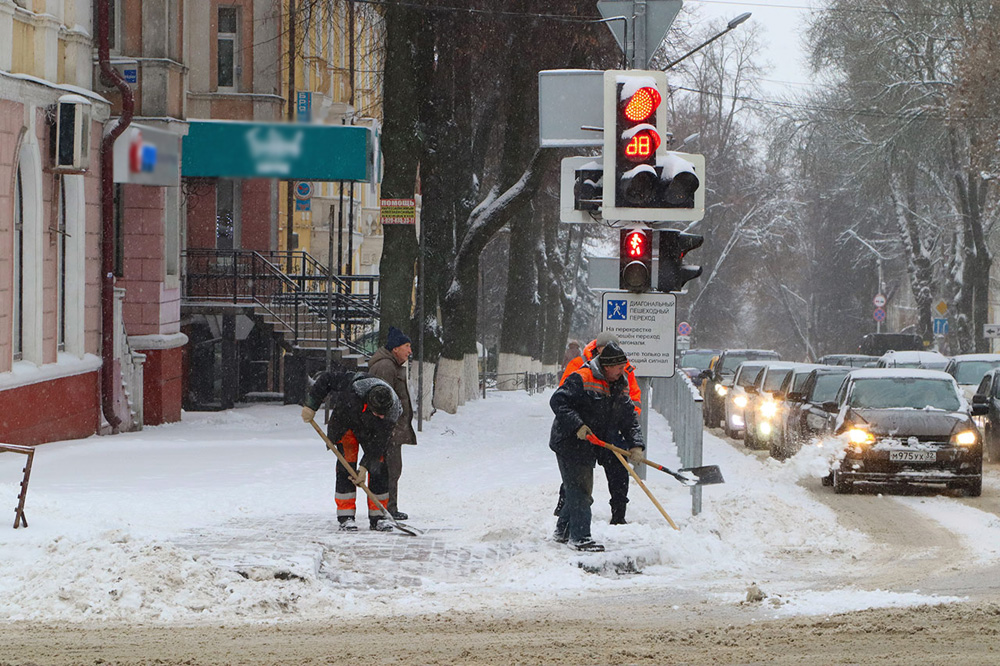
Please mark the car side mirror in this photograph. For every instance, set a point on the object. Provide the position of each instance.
(778, 395)
(980, 399)
(831, 406)
(980, 409)
(794, 396)
(751, 389)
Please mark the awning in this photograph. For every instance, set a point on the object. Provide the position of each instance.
(229, 149)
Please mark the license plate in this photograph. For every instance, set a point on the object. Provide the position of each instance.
(912, 456)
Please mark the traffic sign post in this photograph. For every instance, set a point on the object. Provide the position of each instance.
(645, 325)
(879, 300)
(879, 315)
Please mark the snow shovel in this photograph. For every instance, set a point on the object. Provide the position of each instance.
(689, 476)
(405, 529)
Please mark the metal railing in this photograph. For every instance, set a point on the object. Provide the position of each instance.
(29, 451)
(295, 292)
(131, 365)
(678, 399)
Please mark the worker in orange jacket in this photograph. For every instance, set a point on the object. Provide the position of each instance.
(616, 474)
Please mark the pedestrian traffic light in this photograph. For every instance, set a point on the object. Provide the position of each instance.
(635, 260)
(674, 245)
(632, 142)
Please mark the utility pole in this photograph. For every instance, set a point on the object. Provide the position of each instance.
(290, 185)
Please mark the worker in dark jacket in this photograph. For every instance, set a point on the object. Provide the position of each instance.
(594, 400)
(363, 411)
(388, 363)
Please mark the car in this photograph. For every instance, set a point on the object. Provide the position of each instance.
(716, 384)
(906, 426)
(969, 369)
(927, 360)
(987, 398)
(876, 344)
(738, 397)
(694, 362)
(852, 360)
(763, 406)
(803, 416)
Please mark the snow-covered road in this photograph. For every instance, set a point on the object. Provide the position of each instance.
(229, 517)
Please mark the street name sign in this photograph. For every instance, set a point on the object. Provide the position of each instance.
(646, 328)
(991, 330)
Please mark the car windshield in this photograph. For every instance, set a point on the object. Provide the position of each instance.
(748, 375)
(826, 386)
(901, 392)
(971, 372)
(730, 363)
(698, 360)
(798, 381)
(774, 378)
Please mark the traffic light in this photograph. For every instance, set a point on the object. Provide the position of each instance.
(635, 260)
(587, 186)
(674, 245)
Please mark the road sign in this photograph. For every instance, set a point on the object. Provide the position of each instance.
(991, 330)
(659, 15)
(644, 324)
(879, 300)
(879, 314)
(940, 326)
(684, 328)
(941, 307)
(569, 99)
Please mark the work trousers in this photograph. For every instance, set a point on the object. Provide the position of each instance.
(578, 482)
(617, 476)
(394, 466)
(346, 493)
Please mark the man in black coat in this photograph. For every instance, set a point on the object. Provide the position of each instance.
(594, 400)
(363, 411)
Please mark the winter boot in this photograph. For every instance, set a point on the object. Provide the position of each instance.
(559, 536)
(399, 515)
(347, 524)
(587, 545)
(618, 515)
(379, 524)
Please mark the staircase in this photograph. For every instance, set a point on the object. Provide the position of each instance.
(292, 293)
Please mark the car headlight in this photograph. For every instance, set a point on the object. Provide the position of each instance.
(859, 436)
(965, 438)
(769, 410)
(721, 390)
(740, 401)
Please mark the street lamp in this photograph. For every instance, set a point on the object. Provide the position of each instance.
(729, 26)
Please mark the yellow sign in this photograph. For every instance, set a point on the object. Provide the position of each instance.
(941, 306)
(399, 211)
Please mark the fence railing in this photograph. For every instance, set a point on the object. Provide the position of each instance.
(678, 400)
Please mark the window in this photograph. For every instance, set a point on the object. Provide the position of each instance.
(226, 223)
(171, 232)
(18, 332)
(61, 267)
(228, 71)
(114, 22)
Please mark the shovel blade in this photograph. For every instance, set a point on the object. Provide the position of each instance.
(704, 476)
(407, 529)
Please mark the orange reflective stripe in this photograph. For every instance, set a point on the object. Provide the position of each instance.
(349, 444)
(592, 383)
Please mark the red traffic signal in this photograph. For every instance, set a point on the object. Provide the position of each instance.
(635, 260)
(641, 104)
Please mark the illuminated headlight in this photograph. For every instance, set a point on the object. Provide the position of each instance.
(765, 429)
(859, 436)
(740, 401)
(965, 438)
(769, 410)
(721, 390)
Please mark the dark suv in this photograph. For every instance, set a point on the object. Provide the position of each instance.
(718, 380)
(804, 416)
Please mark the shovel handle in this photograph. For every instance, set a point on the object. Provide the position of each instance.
(642, 485)
(593, 439)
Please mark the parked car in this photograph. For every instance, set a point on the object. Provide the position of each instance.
(804, 417)
(987, 399)
(876, 344)
(926, 360)
(716, 383)
(906, 426)
(737, 398)
(969, 369)
(763, 408)
(696, 361)
(852, 360)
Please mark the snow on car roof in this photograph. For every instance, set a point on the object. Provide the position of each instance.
(976, 357)
(911, 373)
(913, 355)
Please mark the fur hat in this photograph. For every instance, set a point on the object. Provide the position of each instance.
(612, 354)
(396, 338)
(379, 398)
(604, 337)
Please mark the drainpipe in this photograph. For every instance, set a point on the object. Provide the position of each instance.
(114, 130)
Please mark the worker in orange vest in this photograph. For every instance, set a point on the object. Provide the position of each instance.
(616, 475)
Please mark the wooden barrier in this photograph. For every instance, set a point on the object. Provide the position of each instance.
(29, 451)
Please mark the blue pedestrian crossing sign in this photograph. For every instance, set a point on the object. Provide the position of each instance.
(617, 310)
(940, 326)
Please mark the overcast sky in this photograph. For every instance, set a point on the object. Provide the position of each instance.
(783, 24)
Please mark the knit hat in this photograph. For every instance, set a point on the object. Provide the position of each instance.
(396, 338)
(612, 354)
(604, 337)
(379, 398)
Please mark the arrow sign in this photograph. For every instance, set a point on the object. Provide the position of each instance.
(660, 15)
